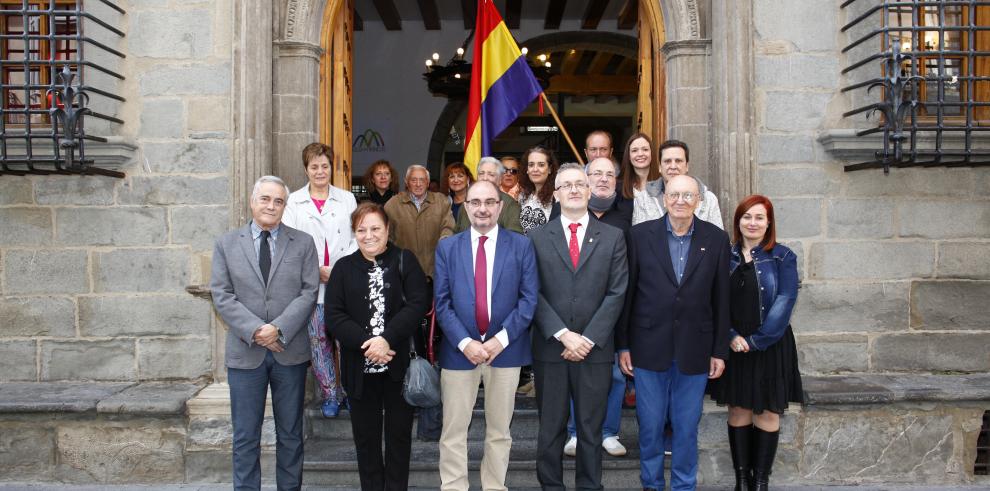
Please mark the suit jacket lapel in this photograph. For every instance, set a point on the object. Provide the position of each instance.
(467, 258)
(699, 242)
(559, 242)
(280, 246)
(247, 245)
(590, 236)
(658, 241)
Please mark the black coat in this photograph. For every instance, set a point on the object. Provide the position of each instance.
(348, 313)
(663, 320)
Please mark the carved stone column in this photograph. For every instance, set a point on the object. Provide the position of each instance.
(732, 101)
(296, 107)
(689, 100)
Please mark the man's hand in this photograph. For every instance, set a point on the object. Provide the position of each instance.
(377, 350)
(625, 363)
(476, 352)
(493, 347)
(573, 342)
(571, 356)
(266, 335)
(716, 367)
(325, 273)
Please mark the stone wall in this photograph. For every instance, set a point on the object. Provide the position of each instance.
(894, 268)
(93, 270)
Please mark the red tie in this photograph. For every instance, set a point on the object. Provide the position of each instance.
(481, 287)
(575, 250)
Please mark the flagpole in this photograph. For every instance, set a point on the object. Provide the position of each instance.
(561, 126)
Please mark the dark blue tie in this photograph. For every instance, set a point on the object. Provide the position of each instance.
(265, 256)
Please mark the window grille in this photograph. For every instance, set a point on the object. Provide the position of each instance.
(45, 60)
(930, 63)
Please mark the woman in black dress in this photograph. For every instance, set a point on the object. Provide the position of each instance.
(761, 375)
(375, 300)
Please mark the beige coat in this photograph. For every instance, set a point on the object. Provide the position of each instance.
(420, 230)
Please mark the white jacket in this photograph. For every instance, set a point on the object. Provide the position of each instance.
(331, 227)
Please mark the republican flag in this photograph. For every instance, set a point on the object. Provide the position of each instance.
(502, 84)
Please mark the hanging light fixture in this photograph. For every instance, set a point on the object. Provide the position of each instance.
(453, 80)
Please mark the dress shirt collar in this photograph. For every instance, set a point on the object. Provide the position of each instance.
(566, 222)
(670, 230)
(492, 235)
(256, 231)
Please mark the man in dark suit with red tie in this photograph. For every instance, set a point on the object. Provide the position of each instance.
(674, 334)
(485, 286)
(582, 264)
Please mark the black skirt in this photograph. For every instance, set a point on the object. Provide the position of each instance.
(758, 380)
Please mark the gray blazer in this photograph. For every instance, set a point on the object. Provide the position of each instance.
(587, 300)
(245, 303)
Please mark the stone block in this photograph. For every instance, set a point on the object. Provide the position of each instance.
(208, 114)
(162, 118)
(27, 451)
(914, 183)
(176, 190)
(860, 219)
(45, 271)
(185, 359)
(206, 432)
(691, 105)
(790, 20)
(795, 111)
(146, 315)
(37, 316)
(851, 307)
(198, 80)
(969, 260)
(797, 71)
(945, 219)
(798, 249)
(293, 113)
(798, 217)
(88, 360)
(160, 398)
(55, 397)
(141, 270)
(952, 305)
(296, 75)
(110, 226)
(200, 157)
(199, 226)
(75, 190)
(175, 34)
(786, 149)
(872, 260)
(121, 451)
(25, 226)
(834, 354)
(964, 352)
(18, 362)
(15, 190)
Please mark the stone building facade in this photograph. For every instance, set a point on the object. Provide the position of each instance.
(101, 278)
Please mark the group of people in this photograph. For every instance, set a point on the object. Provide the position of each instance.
(591, 275)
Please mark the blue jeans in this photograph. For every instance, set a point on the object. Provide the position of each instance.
(248, 389)
(613, 410)
(682, 395)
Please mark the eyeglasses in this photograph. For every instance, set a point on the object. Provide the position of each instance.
(573, 186)
(675, 196)
(476, 203)
(599, 174)
(511, 171)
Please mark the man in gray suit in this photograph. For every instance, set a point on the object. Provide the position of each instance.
(583, 279)
(264, 285)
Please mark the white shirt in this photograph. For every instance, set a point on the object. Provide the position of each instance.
(581, 231)
(502, 336)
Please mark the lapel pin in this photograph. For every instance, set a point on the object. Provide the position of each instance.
(591, 240)
(702, 249)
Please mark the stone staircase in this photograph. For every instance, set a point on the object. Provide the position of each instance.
(331, 458)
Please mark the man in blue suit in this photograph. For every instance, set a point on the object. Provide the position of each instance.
(674, 334)
(485, 288)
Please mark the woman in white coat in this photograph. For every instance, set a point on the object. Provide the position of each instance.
(324, 212)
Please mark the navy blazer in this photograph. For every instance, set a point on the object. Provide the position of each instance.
(665, 321)
(515, 285)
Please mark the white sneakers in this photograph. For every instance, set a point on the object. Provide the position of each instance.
(613, 447)
(610, 444)
(570, 448)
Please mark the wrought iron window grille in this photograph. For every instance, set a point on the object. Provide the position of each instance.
(934, 80)
(42, 81)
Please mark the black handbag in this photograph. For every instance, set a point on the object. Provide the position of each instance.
(421, 387)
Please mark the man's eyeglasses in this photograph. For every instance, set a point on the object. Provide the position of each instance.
(511, 171)
(675, 196)
(599, 174)
(572, 186)
(476, 203)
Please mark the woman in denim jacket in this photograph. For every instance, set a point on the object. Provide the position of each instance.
(761, 375)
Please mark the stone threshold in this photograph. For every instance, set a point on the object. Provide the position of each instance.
(146, 398)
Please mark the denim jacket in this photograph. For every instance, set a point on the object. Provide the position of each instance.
(777, 277)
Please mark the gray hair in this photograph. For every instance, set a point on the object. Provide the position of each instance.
(499, 168)
(615, 164)
(267, 179)
(415, 167)
(569, 166)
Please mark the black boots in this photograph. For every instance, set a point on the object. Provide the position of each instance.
(739, 447)
(764, 450)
